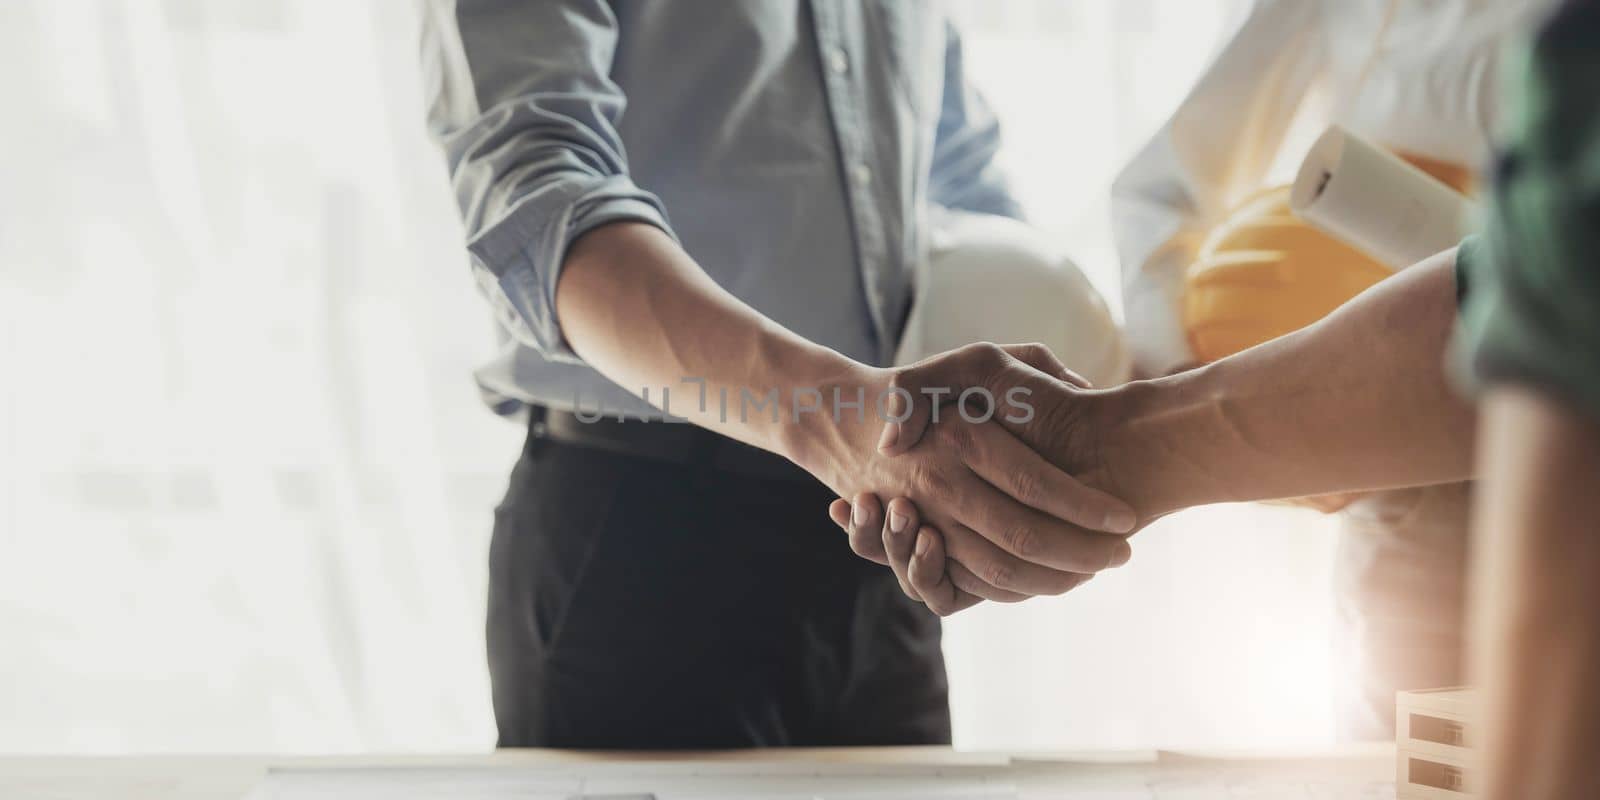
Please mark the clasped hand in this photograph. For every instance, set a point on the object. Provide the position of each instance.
(1001, 509)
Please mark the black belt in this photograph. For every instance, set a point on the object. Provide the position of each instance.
(674, 442)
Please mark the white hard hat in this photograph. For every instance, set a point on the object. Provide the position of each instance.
(994, 279)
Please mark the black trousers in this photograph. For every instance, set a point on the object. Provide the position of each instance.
(636, 603)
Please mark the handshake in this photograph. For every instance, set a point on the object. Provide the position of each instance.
(1037, 497)
(992, 473)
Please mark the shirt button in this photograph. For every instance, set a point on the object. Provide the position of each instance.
(861, 175)
(838, 61)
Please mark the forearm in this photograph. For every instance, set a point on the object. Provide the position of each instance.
(1359, 400)
(1536, 641)
(637, 308)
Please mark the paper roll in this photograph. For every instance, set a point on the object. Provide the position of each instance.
(1375, 201)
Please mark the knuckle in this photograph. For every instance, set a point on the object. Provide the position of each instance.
(1027, 487)
(969, 584)
(958, 438)
(931, 481)
(972, 350)
(1021, 540)
(1030, 351)
(991, 355)
(999, 574)
(961, 442)
(862, 544)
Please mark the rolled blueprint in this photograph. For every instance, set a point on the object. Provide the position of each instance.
(1370, 198)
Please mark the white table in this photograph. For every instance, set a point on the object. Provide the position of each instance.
(1040, 776)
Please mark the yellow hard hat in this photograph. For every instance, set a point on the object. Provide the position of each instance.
(1264, 273)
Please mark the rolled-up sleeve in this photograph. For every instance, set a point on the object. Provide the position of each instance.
(965, 174)
(1531, 313)
(521, 100)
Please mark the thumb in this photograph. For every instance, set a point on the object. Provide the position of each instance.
(920, 391)
(916, 393)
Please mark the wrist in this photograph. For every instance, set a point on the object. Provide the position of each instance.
(1158, 444)
(821, 427)
(1113, 419)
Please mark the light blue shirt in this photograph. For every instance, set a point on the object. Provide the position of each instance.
(791, 146)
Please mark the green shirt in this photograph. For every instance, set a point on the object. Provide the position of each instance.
(1531, 282)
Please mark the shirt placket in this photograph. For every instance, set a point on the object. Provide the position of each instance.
(846, 103)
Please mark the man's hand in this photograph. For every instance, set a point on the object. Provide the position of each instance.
(1058, 429)
(1017, 525)
(915, 552)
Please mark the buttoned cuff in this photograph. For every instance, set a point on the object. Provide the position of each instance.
(518, 260)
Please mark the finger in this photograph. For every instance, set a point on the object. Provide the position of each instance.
(1037, 540)
(961, 576)
(866, 528)
(839, 512)
(993, 574)
(1015, 469)
(929, 579)
(900, 539)
(1024, 535)
(943, 376)
(1076, 380)
(949, 494)
(1041, 358)
(967, 582)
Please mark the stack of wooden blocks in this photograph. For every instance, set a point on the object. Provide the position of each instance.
(1431, 745)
